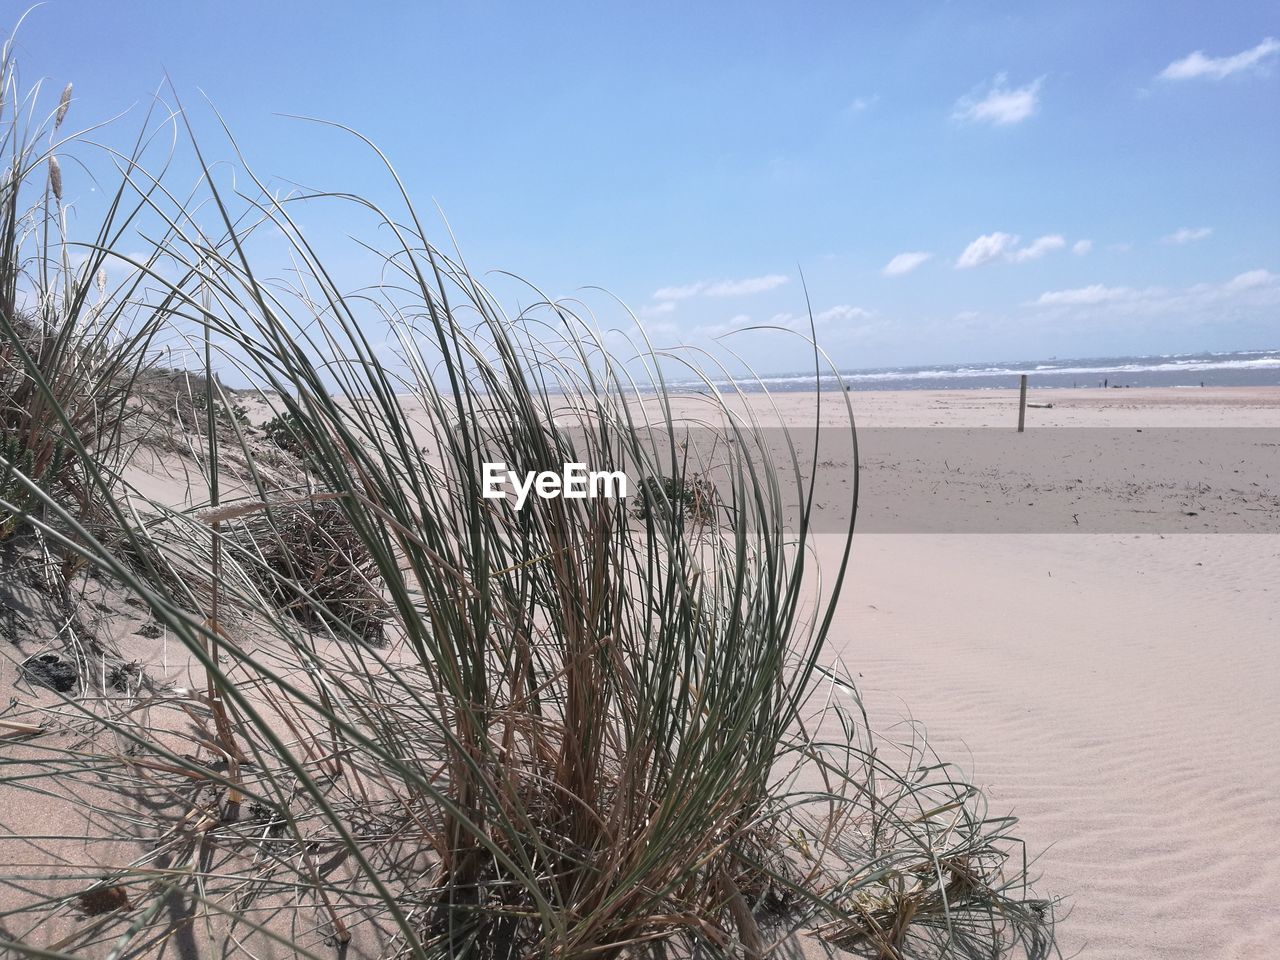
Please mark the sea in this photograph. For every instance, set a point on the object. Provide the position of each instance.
(1242, 368)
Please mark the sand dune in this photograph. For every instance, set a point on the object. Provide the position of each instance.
(1120, 693)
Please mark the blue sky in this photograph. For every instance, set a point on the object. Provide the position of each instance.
(957, 181)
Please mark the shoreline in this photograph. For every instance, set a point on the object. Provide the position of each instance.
(1241, 368)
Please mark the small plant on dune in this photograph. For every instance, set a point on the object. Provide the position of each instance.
(18, 458)
(693, 496)
(189, 411)
(311, 562)
(284, 430)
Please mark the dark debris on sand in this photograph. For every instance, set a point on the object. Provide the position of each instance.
(50, 670)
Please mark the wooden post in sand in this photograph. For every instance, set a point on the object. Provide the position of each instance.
(1022, 405)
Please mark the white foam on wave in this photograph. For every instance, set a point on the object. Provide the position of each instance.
(1256, 360)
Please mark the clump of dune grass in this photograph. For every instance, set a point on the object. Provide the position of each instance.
(67, 361)
(588, 733)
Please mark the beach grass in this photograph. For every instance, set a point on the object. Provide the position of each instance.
(68, 365)
(582, 731)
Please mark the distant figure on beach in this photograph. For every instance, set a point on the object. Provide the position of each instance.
(1104, 383)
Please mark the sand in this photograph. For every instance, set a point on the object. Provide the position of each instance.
(1118, 691)
(1121, 695)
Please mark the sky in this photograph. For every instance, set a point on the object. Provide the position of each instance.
(935, 182)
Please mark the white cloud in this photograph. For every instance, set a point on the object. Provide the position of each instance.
(841, 313)
(904, 263)
(1188, 234)
(861, 104)
(1241, 297)
(998, 245)
(1038, 248)
(712, 330)
(1250, 281)
(987, 247)
(659, 308)
(739, 288)
(842, 322)
(652, 329)
(1081, 247)
(679, 293)
(999, 104)
(1197, 65)
(1094, 294)
(721, 288)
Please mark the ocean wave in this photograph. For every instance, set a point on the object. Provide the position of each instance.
(1245, 362)
(943, 373)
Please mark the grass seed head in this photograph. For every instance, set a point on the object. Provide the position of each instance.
(55, 178)
(64, 105)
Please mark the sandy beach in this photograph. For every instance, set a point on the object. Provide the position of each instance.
(1118, 692)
